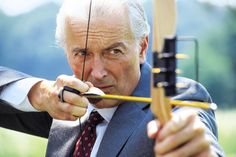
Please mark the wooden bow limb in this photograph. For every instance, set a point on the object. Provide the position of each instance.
(164, 25)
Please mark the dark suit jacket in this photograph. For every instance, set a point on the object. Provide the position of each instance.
(126, 133)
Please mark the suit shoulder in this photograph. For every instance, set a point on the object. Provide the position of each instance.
(192, 90)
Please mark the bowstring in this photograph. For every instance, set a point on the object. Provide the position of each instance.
(83, 69)
(86, 41)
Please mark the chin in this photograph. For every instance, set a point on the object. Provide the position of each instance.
(107, 104)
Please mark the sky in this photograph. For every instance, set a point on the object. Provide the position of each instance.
(16, 7)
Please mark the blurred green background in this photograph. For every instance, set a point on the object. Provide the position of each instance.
(27, 44)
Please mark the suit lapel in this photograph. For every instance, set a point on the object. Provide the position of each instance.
(120, 128)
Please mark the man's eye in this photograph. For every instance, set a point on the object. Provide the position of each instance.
(82, 53)
(116, 51)
(79, 53)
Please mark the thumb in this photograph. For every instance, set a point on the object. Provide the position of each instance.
(153, 128)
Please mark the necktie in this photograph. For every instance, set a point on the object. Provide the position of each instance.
(87, 139)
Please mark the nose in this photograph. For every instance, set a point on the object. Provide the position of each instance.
(98, 68)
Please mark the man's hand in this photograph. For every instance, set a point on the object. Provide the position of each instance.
(183, 136)
(44, 97)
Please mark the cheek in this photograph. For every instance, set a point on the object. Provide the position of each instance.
(75, 66)
(76, 70)
(132, 65)
(129, 73)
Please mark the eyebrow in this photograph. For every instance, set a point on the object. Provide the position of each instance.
(76, 49)
(112, 46)
(118, 44)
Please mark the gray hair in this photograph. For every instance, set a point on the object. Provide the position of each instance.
(80, 8)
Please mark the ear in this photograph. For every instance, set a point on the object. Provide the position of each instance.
(143, 50)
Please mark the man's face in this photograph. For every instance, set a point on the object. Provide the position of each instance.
(113, 56)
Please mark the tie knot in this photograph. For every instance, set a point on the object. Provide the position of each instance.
(95, 118)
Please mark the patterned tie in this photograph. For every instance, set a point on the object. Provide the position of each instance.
(86, 140)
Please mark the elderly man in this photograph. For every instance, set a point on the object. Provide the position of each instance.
(106, 44)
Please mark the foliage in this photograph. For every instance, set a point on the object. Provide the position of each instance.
(214, 28)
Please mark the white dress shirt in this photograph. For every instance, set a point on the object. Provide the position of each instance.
(17, 94)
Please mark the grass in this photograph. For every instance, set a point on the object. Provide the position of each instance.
(15, 144)
(227, 131)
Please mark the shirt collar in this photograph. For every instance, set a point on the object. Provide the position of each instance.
(106, 113)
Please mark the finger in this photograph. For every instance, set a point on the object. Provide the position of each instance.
(194, 147)
(70, 117)
(207, 153)
(64, 80)
(178, 122)
(152, 128)
(63, 116)
(78, 111)
(72, 109)
(194, 129)
(75, 99)
(89, 84)
(187, 134)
